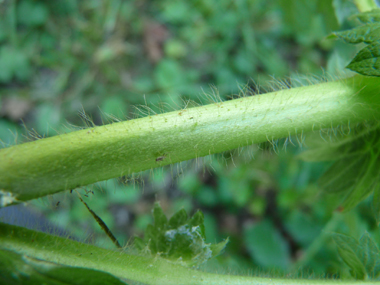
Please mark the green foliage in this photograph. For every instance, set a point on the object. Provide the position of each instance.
(366, 61)
(267, 246)
(355, 172)
(14, 63)
(83, 53)
(363, 256)
(180, 239)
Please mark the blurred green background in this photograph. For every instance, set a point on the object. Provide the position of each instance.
(60, 57)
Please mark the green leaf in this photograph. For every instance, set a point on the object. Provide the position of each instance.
(362, 257)
(349, 250)
(376, 202)
(169, 75)
(198, 221)
(218, 247)
(366, 61)
(181, 239)
(266, 246)
(21, 269)
(369, 254)
(14, 63)
(139, 243)
(355, 172)
(32, 13)
(369, 180)
(369, 16)
(178, 219)
(367, 33)
(343, 174)
(159, 217)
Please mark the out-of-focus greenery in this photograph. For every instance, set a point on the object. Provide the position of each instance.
(106, 56)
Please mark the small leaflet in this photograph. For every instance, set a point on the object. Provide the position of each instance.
(376, 203)
(362, 257)
(7, 198)
(367, 60)
(354, 172)
(369, 16)
(180, 239)
(367, 33)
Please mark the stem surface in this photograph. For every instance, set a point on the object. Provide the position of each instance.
(137, 268)
(79, 158)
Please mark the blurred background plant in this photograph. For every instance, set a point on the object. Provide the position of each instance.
(60, 57)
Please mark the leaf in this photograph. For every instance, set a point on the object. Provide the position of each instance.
(343, 174)
(169, 75)
(181, 239)
(32, 13)
(159, 217)
(369, 254)
(218, 247)
(349, 142)
(322, 153)
(356, 171)
(178, 219)
(362, 257)
(139, 243)
(348, 249)
(21, 269)
(14, 63)
(367, 33)
(266, 246)
(366, 61)
(198, 220)
(369, 16)
(368, 181)
(376, 202)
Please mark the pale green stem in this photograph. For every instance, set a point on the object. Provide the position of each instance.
(50, 165)
(365, 5)
(137, 268)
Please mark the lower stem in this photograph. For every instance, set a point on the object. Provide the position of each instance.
(137, 268)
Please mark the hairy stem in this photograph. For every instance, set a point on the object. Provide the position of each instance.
(137, 268)
(50, 165)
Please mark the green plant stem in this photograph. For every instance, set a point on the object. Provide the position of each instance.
(365, 5)
(137, 268)
(67, 161)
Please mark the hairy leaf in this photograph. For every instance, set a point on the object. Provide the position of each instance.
(181, 239)
(369, 16)
(376, 202)
(349, 250)
(369, 254)
(367, 60)
(267, 246)
(367, 33)
(343, 175)
(369, 180)
(160, 219)
(355, 171)
(361, 256)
